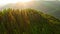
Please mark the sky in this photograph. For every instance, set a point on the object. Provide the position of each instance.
(3, 2)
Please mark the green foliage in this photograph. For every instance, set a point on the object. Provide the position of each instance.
(27, 21)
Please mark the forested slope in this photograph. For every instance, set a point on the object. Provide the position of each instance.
(27, 21)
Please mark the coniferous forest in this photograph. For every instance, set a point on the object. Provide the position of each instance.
(27, 21)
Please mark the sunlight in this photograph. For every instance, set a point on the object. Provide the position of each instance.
(3, 2)
(25, 0)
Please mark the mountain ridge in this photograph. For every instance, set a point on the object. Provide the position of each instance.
(48, 7)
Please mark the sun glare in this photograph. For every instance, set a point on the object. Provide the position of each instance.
(4, 2)
(25, 0)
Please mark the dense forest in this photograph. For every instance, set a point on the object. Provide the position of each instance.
(27, 21)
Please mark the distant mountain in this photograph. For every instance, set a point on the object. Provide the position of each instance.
(27, 21)
(52, 8)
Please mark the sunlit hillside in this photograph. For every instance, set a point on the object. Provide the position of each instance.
(27, 21)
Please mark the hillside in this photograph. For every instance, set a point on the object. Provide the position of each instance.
(27, 21)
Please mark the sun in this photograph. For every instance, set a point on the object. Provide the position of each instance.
(25, 0)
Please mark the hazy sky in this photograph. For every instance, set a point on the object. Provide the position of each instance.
(3, 2)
